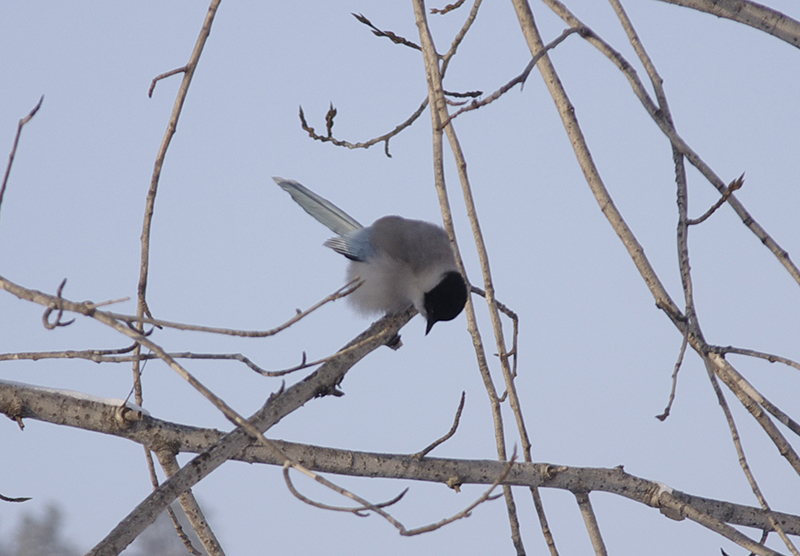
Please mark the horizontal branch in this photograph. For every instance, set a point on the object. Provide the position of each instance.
(63, 408)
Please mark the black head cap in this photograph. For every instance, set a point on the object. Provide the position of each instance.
(446, 300)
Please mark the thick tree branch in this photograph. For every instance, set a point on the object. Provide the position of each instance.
(98, 415)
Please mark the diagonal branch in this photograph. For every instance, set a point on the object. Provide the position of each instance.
(13, 153)
(755, 15)
(590, 519)
(518, 80)
(677, 141)
(427, 450)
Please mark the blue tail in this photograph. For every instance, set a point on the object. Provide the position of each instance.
(323, 210)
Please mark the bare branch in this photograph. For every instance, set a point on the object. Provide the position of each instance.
(486, 496)
(161, 76)
(520, 79)
(450, 433)
(658, 115)
(668, 500)
(13, 153)
(678, 363)
(438, 115)
(734, 185)
(8, 499)
(759, 354)
(188, 74)
(448, 8)
(590, 520)
(365, 144)
(357, 511)
(344, 291)
(319, 382)
(515, 321)
(388, 34)
(411, 119)
(65, 408)
(50, 308)
(191, 509)
(710, 368)
(749, 13)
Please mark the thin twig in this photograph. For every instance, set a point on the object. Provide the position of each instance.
(8, 499)
(424, 452)
(142, 308)
(678, 363)
(411, 119)
(515, 322)
(458, 39)
(13, 153)
(378, 509)
(359, 511)
(466, 512)
(344, 291)
(50, 308)
(107, 356)
(388, 34)
(365, 144)
(772, 358)
(734, 185)
(159, 77)
(448, 8)
(520, 79)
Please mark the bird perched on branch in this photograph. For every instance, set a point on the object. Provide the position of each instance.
(402, 262)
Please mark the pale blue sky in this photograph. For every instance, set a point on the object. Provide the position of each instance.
(231, 249)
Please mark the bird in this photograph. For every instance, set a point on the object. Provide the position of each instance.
(402, 262)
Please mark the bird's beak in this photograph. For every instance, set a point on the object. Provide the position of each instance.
(431, 322)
